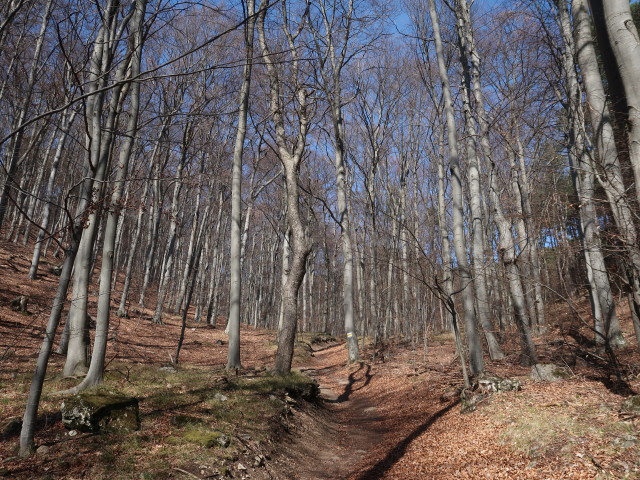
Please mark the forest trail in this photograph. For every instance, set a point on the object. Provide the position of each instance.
(370, 415)
(351, 428)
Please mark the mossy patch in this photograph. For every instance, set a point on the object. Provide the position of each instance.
(206, 439)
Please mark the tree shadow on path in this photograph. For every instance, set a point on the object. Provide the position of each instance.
(348, 389)
(383, 466)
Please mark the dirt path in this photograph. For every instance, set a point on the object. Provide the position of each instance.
(367, 421)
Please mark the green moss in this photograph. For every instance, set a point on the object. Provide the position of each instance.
(203, 438)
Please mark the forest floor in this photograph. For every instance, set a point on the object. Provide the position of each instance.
(393, 415)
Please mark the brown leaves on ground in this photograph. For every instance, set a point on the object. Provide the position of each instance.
(383, 418)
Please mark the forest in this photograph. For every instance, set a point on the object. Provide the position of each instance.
(371, 179)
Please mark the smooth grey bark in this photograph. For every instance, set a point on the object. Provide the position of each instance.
(196, 222)
(523, 242)
(35, 391)
(169, 255)
(156, 205)
(582, 173)
(100, 140)
(625, 43)
(291, 155)
(14, 153)
(531, 248)
(611, 178)
(122, 307)
(476, 362)
(45, 222)
(235, 258)
(211, 293)
(114, 208)
(332, 43)
(475, 199)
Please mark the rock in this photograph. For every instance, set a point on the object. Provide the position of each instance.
(258, 460)
(484, 387)
(169, 369)
(498, 384)
(19, 304)
(11, 426)
(548, 372)
(219, 342)
(72, 433)
(220, 397)
(103, 411)
(42, 450)
(56, 270)
(224, 441)
(630, 408)
(241, 467)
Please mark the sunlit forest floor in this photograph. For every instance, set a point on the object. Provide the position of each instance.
(394, 415)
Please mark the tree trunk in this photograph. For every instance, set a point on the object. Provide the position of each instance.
(235, 259)
(476, 362)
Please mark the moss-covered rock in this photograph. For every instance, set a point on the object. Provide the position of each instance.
(548, 372)
(206, 439)
(101, 411)
(631, 407)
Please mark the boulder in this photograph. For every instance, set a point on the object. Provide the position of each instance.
(630, 408)
(549, 372)
(487, 384)
(102, 411)
(11, 426)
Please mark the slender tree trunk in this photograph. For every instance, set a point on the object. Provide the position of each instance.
(235, 288)
(476, 362)
(14, 153)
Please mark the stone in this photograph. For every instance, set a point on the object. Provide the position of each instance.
(19, 304)
(549, 372)
(56, 270)
(220, 397)
(11, 426)
(630, 407)
(224, 441)
(487, 384)
(102, 411)
(42, 450)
